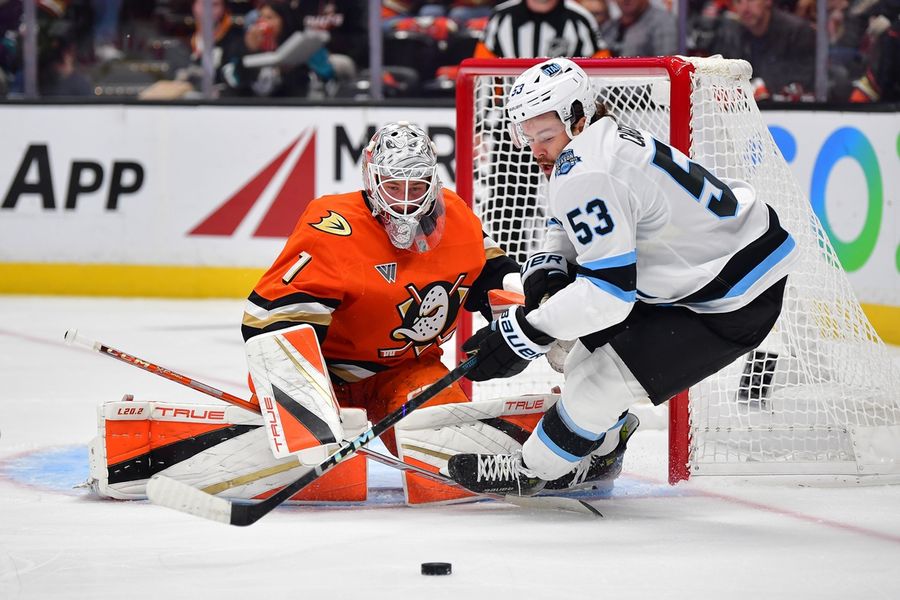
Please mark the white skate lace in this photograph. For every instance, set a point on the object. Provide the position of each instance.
(581, 471)
(498, 467)
(501, 467)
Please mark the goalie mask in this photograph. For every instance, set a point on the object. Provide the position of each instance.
(399, 171)
(556, 85)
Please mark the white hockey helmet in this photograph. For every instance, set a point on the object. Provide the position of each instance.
(554, 85)
(399, 170)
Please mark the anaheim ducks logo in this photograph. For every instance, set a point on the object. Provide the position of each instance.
(333, 223)
(429, 316)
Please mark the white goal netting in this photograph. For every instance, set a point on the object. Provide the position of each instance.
(820, 396)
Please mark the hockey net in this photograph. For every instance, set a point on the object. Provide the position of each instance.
(819, 397)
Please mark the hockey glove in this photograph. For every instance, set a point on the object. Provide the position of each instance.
(506, 346)
(543, 274)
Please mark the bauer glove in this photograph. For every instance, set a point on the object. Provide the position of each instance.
(543, 274)
(506, 346)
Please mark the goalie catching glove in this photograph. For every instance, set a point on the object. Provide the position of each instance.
(506, 346)
(544, 274)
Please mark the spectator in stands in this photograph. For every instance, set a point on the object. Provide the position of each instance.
(347, 24)
(881, 81)
(464, 12)
(540, 28)
(780, 46)
(58, 72)
(10, 18)
(275, 24)
(598, 8)
(394, 10)
(642, 29)
(460, 11)
(228, 36)
(106, 29)
(704, 22)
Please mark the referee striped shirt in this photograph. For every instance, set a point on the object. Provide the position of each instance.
(514, 31)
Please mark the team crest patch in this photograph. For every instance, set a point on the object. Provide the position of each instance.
(333, 223)
(551, 69)
(428, 316)
(566, 161)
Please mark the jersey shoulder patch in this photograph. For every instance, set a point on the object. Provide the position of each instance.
(333, 223)
(565, 162)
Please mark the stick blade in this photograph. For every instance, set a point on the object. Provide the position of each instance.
(553, 503)
(174, 494)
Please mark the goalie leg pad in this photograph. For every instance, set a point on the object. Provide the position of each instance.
(294, 390)
(223, 450)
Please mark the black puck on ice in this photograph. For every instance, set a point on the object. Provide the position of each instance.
(436, 568)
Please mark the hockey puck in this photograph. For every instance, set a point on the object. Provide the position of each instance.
(436, 568)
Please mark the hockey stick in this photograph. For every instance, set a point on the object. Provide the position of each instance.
(180, 496)
(543, 502)
(73, 337)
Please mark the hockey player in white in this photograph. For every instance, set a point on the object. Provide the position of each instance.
(662, 272)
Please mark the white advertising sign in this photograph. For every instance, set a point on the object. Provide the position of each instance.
(205, 186)
(222, 186)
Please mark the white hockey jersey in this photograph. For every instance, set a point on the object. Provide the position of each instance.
(643, 222)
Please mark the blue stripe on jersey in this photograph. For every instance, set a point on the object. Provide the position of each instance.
(786, 247)
(615, 275)
(747, 266)
(622, 260)
(612, 290)
(542, 435)
(554, 221)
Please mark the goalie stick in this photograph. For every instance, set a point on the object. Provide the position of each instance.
(541, 502)
(73, 337)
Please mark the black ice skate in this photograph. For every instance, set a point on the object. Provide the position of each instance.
(599, 470)
(494, 474)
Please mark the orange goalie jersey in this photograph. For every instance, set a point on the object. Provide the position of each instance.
(373, 305)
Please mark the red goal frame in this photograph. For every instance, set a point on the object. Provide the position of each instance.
(679, 73)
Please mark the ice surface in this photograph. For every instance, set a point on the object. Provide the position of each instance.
(710, 538)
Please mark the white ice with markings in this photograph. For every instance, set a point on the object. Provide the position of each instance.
(709, 538)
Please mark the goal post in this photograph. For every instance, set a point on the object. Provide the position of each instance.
(820, 396)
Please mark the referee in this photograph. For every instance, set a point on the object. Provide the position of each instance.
(541, 28)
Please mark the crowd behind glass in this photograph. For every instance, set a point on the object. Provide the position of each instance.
(154, 49)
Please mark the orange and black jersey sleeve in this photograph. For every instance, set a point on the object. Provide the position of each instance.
(374, 305)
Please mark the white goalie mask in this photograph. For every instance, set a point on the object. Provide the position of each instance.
(399, 171)
(551, 86)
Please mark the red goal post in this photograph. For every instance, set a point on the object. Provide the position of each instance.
(819, 398)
